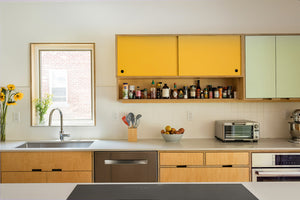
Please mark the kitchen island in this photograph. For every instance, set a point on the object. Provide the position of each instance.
(55, 191)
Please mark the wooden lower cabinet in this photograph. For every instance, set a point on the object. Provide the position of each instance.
(204, 175)
(46, 167)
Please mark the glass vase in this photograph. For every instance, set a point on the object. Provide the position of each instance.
(2, 126)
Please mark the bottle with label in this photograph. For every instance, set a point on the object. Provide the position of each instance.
(210, 93)
(220, 88)
(180, 94)
(193, 91)
(153, 91)
(224, 95)
(125, 91)
(165, 92)
(216, 93)
(138, 93)
(198, 90)
(175, 92)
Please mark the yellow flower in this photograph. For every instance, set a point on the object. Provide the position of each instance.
(11, 103)
(18, 96)
(3, 89)
(2, 96)
(11, 87)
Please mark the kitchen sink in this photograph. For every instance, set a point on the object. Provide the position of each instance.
(57, 144)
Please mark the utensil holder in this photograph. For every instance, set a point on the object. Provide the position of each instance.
(132, 134)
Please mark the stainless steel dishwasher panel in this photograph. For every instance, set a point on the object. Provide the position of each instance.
(125, 166)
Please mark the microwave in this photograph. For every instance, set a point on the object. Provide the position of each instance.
(237, 130)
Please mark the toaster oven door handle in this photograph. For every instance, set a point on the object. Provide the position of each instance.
(277, 173)
(125, 162)
(238, 123)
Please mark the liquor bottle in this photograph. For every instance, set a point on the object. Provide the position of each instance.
(185, 92)
(153, 91)
(175, 92)
(165, 92)
(198, 90)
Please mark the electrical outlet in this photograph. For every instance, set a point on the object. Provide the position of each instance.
(17, 116)
(189, 116)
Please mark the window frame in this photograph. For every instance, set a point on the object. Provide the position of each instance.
(35, 92)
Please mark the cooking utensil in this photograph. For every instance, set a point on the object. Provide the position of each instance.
(137, 120)
(128, 119)
(125, 121)
(131, 118)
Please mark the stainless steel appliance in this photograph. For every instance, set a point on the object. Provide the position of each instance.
(295, 127)
(237, 130)
(122, 166)
(274, 167)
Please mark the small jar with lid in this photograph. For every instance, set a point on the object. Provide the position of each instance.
(224, 95)
(138, 93)
(205, 93)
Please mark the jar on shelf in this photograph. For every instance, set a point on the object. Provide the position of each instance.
(220, 89)
(125, 91)
(131, 93)
(193, 91)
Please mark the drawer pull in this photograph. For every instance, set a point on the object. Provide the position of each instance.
(36, 170)
(226, 165)
(181, 166)
(56, 170)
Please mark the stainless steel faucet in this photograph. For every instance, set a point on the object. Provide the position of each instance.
(61, 132)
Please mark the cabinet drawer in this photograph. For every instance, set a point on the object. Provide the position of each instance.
(69, 177)
(204, 175)
(227, 158)
(181, 159)
(23, 177)
(46, 161)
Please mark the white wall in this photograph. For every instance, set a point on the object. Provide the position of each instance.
(98, 21)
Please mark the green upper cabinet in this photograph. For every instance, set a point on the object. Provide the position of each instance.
(288, 66)
(260, 66)
(272, 66)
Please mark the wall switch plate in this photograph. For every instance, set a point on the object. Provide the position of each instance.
(17, 116)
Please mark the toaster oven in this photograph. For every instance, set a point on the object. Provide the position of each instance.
(237, 130)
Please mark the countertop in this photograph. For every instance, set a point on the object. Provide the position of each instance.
(263, 191)
(161, 145)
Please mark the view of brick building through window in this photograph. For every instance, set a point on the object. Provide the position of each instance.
(67, 75)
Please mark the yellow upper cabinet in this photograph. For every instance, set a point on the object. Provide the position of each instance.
(209, 55)
(146, 55)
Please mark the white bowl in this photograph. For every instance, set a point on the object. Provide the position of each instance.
(172, 137)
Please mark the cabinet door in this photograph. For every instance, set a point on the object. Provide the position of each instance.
(147, 55)
(23, 177)
(69, 177)
(260, 66)
(288, 66)
(209, 55)
(180, 175)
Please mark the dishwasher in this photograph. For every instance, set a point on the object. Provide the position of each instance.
(125, 166)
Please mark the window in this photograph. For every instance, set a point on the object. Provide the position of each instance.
(66, 72)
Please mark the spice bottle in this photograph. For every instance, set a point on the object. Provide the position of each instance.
(131, 93)
(185, 92)
(229, 92)
(138, 93)
(220, 88)
(198, 90)
(153, 91)
(158, 90)
(145, 93)
(210, 92)
(125, 91)
(175, 92)
(224, 95)
(205, 93)
(180, 94)
(193, 91)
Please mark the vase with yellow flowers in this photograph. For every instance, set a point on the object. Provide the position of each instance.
(8, 97)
